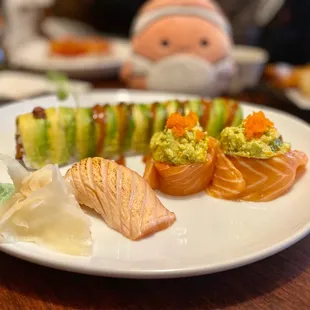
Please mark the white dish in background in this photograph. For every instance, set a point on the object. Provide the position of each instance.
(209, 235)
(295, 96)
(58, 27)
(15, 85)
(34, 56)
(250, 62)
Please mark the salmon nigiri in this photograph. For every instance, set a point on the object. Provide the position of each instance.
(256, 179)
(123, 198)
(258, 166)
(227, 181)
(183, 157)
(182, 180)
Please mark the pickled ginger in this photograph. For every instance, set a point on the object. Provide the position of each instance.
(43, 210)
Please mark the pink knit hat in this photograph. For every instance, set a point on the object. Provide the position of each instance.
(157, 9)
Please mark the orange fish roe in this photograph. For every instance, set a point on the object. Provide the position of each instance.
(179, 123)
(199, 135)
(256, 125)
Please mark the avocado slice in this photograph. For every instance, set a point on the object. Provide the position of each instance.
(217, 118)
(159, 121)
(130, 129)
(85, 133)
(61, 133)
(146, 111)
(34, 135)
(194, 106)
(141, 117)
(123, 124)
(111, 143)
(238, 118)
(171, 107)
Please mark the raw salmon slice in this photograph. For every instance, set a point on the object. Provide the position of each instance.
(265, 180)
(182, 180)
(227, 182)
(124, 199)
(151, 174)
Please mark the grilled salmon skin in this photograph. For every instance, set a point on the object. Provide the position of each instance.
(124, 199)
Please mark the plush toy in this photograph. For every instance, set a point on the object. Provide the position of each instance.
(181, 46)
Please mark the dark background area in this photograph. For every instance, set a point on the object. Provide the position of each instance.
(286, 37)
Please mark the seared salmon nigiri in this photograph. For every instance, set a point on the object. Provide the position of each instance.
(254, 164)
(182, 159)
(124, 199)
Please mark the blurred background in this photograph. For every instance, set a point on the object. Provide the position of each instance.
(271, 37)
(280, 26)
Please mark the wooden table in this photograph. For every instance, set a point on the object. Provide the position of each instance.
(281, 282)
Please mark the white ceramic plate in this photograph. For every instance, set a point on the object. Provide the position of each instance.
(34, 56)
(30, 84)
(209, 236)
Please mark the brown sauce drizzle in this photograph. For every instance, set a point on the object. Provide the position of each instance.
(99, 118)
(206, 107)
(121, 161)
(39, 113)
(166, 116)
(146, 157)
(181, 106)
(232, 108)
(123, 124)
(19, 147)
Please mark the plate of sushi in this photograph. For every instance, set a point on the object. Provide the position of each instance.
(77, 57)
(294, 80)
(150, 185)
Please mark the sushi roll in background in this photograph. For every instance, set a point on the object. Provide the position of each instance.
(63, 135)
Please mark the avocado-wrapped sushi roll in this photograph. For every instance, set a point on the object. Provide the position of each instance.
(64, 135)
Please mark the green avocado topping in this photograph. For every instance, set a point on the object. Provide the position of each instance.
(171, 148)
(269, 144)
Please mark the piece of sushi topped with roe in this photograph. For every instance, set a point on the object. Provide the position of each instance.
(256, 137)
(181, 142)
(253, 163)
(182, 157)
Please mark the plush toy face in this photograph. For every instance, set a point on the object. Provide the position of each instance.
(180, 45)
(182, 34)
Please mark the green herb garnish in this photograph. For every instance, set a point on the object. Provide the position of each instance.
(6, 191)
(61, 83)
